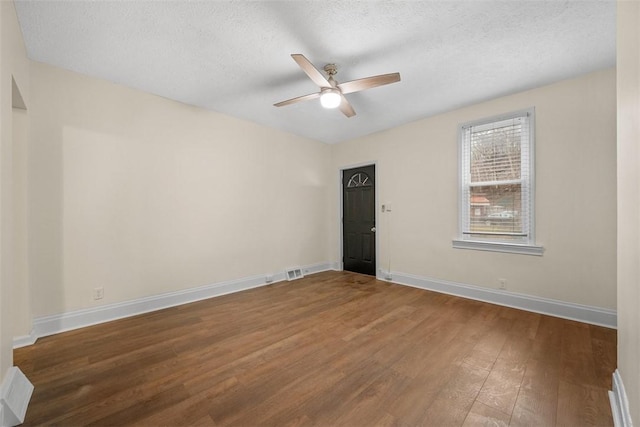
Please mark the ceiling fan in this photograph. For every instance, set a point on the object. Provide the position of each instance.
(332, 94)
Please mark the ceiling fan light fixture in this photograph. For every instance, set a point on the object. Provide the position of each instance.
(332, 94)
(330, 98)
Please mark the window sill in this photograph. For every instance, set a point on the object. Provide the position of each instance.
(499, 247)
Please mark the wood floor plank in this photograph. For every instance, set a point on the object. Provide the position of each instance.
(131, 414)
(582, 405)
(482, 415)
(368, 406)
(326, 408)
(604, 361)
(578, 364)
(537, 400)
(334, 348)
(437, 371)
(386, 420)
(547, 345)
(501, 388)
(453, 403)
(487, 347)
(193, 410)
(287, 403)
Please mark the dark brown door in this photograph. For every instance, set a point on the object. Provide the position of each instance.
(359, 219)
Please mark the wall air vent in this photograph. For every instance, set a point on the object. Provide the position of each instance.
(294, 273)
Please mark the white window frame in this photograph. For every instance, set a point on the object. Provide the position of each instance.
(465, 240)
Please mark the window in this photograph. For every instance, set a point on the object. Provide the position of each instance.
(496, 184)
(359, 179)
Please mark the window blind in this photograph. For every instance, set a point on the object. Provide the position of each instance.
(495, 179)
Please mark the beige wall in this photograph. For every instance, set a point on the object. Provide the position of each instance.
(142, 195)
(628, 76)
(21, 298)
(417, 168)
(13, 64)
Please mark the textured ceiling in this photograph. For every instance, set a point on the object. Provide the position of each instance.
(234, 56)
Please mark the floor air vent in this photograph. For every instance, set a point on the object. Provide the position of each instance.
(294, 273)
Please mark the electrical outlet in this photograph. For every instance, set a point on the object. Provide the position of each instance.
(502, 283)
(98, 293)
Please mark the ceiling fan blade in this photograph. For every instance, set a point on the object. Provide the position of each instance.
(368, 82)
(311, 71)
(298, 99)
(346, 107)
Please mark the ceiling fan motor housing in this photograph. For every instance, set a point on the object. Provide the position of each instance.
(331, 69)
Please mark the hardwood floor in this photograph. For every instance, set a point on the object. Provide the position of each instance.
(331, 349)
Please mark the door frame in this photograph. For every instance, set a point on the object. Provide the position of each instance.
(341, 210)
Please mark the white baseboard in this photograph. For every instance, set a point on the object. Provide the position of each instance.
(582, 313)
(15, 394)
(54, 324)
(619, 403)
(335, 266)
(317, 268)
(25, 340)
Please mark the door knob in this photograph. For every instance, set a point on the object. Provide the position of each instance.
(373, 229)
